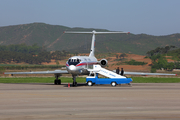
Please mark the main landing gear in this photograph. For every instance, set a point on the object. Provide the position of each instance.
(57, 81)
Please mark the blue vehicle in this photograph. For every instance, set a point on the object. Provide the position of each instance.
(93, 79)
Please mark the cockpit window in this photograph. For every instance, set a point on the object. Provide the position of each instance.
(78, 60)
(74, 61)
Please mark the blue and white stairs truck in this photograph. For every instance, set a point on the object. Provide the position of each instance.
(113, 78)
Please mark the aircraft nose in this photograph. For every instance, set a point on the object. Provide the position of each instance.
(72, 67)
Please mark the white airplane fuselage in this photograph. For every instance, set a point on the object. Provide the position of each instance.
(78, 65)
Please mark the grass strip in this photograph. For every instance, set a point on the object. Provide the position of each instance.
(155, 80)
(39, 80)
(83, 80)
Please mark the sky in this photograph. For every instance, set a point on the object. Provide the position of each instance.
(153, 17)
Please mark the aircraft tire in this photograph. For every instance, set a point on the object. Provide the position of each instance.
(55, 82)
(113, 84)
(74, 84)
(89, 83)
(59, 82)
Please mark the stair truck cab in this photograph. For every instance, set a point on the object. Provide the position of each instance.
(113, 78)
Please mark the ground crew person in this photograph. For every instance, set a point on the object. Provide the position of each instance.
(122, 71)
(117, 70)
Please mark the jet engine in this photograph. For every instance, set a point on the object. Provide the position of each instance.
(103, 62)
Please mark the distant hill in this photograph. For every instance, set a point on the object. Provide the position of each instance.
(52, 38)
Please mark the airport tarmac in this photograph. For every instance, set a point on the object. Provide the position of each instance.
(142, 101)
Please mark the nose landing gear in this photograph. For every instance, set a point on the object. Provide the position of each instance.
(74, 81)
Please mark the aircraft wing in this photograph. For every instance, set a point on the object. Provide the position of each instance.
(40, 72)
(140, 73)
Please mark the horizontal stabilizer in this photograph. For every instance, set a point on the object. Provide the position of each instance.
(93, 32)
(93, 38)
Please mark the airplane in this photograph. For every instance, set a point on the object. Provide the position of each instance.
(79, 65)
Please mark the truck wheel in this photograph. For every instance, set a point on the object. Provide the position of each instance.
(129, 84)
(113, 84)
(89, 83)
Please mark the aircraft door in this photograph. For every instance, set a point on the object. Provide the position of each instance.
(86, 64)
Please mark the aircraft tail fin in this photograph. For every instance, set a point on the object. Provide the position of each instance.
(93, 38)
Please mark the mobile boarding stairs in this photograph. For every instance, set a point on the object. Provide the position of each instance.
(113, 78)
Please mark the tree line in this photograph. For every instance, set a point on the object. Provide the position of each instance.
(160, 50)
(22, 48)
(29, 54)
(134, 62)
(25, 67)
(159, 60)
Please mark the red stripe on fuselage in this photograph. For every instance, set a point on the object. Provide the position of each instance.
(81, 64)
(90, 63)
(67, 64)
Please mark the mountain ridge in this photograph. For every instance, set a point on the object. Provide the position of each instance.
(53, 38)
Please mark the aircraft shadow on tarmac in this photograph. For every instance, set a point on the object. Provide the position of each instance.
(78, 85)
(63, 84)
(85, 84)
